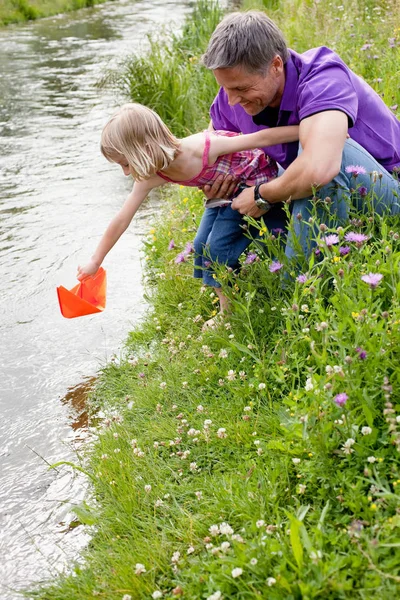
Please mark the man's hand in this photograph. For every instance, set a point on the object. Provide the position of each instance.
(222, 187)
(245, 204)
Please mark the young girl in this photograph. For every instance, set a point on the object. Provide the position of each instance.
(136, 138)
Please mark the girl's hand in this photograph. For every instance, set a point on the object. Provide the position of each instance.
(88, 270)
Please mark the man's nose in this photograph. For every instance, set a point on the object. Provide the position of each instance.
(233, 98)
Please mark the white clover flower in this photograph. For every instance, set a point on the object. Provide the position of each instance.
(190, 550)
(315, 556)
(139, 569)
(207, 423)
(215, 596)
(253, 562)
(157, 594)
(237, 572)
(260, 523)
(247, 409)
(231, 375)
(371, 459)
(305, 330)
(262, 386)
(221, 433)
(184, 384)
(225, 546)
(175, 557)
(302, 488)
(366, 430)
(126, 597)
(158, 503)
(256, 442)
(271, 581)
(296, 461)
(337, 369)
(147, 488)
(223, 353)
(309, 385)
(225, 529)
(214, 530)
(193, 466)
(398, 418)
(163, 385)
(329, 370)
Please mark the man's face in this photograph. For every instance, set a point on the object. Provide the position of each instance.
(253, 91)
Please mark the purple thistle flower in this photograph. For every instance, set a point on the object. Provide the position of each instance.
(340, 399)
(343, 250)
(171, 245)
(362, 190)
(141, 375)
(361, 353)
(330, 240)
(302, 278)
(275, 266)
(180, 258)
(207, 263)
(250, 258)
(358, 238)
(373, 279)
(277, 231)
(355, 170)
(189, 248)
(317, 251)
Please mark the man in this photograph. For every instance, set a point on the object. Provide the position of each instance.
(264, 84)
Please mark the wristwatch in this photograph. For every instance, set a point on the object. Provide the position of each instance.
(261, 202)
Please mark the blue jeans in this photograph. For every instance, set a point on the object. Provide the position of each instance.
(346, 192)
(221, 238)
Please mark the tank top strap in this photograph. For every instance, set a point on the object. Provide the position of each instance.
(206, 150)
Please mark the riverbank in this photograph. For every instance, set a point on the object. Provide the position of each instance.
(258, 460)
(19, 11)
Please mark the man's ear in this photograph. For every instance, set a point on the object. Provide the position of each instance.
(277, 65)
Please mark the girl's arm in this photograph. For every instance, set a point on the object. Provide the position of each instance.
(221, 144)
(119, 224)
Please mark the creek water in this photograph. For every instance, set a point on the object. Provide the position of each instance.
(57, 194)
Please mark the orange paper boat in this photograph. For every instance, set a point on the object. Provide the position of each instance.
(86, 298)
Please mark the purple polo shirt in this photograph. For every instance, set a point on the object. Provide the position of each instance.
(319, 80)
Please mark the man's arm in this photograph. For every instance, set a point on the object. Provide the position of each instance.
(322, 137)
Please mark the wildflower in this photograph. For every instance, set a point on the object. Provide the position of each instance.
(340, 399)
(250, 258)
(260, 451)
(214, 530)
(158, 503)
(207, 423)
(223, 353)
(225, 529)
(253, 562)
(271, 581)
(175, 557)
(225, 546)
(371, 459)
(139, 569)
(215, 596)
(147, 488)
(125, 597)
(275, 266)
(200, 408)
(309, 385)
(198, 495)
(296, 461)
(355, 169)
(221, 433)
(157, 594)
(231, 375)
(302, 488)
(302, 278)
(361, 353)
(237, 572)
(366, 430)
(180, 258)
(262, 386)
(260, 523)
(344, 250)
(373, 279)
(362, 190)
(330, 240)
(357, 238)
(190, 550)
(189, 248)
(163, 385)
(347, 446)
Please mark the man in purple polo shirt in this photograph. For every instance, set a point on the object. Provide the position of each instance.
(264, 84)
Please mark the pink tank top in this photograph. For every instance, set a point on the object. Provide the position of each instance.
(249, 166)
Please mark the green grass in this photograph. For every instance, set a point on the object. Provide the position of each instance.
(229, 446)
(18, 11)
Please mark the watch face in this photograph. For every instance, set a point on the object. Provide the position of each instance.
(263, 204)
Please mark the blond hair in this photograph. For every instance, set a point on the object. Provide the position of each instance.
(138, 134)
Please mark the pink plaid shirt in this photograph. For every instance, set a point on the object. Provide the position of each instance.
(248, 166)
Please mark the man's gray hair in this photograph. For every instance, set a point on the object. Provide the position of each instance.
(248, 39)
